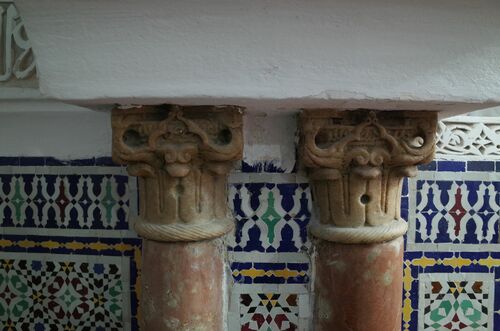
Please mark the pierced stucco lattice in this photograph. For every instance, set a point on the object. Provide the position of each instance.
(469, 137)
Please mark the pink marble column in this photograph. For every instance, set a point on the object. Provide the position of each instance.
(356, 162)
(182, 156)
(182, 285)
(359, 286)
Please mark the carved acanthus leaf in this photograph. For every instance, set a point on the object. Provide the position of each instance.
(182, 156)
(356, 162)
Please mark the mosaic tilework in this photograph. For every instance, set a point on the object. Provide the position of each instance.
(270, 263)
(461, 304)
(43, 287)
(270, 253)
(451, 291)
(457, 211)
(270, 217)
(81, 197)
(77, 201)
(68, 257)
(446, 211)
(274, 273)
(61, 293)
(269, 311)
(452, 263)
(269, 307)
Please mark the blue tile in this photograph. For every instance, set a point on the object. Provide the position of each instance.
(404, 203)
(497, 296)
(474, 255)
(52, 161)
(439, 255)
(455, 166)
(269, 280)
(134, 324)
(241, 265)
(8, 160)
(38, 249)
(105, 161)
(298, 266)
(413, 255)
(431, 166)
(83, 162)
(414, 294)
(414, 321)
(480, 166)
(404, 214)
(404, 191)
(134, 303)
(269, 265)
(32, 161)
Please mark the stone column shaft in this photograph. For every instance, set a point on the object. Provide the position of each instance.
(356, 161)
(182, 156)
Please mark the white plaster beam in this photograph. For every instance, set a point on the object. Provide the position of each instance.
(281, 54)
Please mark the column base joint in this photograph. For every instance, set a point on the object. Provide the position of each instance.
(360, 235)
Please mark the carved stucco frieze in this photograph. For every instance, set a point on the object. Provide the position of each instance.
(469, 137)
(182, 156)
(356, 162)
(16, 56)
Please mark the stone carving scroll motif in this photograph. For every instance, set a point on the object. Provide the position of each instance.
(356, 162)
(182, 156)
(16, 56)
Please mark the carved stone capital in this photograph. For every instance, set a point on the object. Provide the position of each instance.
(356, 161)
(182, 156)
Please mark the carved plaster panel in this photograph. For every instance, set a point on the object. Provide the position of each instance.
(469, 137)
(182, 156)
(356, 162)
(16, 56)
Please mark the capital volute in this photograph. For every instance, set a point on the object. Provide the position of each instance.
(182, 156)
(356, 162)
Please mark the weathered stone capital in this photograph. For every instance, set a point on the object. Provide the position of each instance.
(182, 156)
(356, 162)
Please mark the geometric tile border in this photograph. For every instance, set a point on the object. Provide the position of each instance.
(270, 273)
(81, 200)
